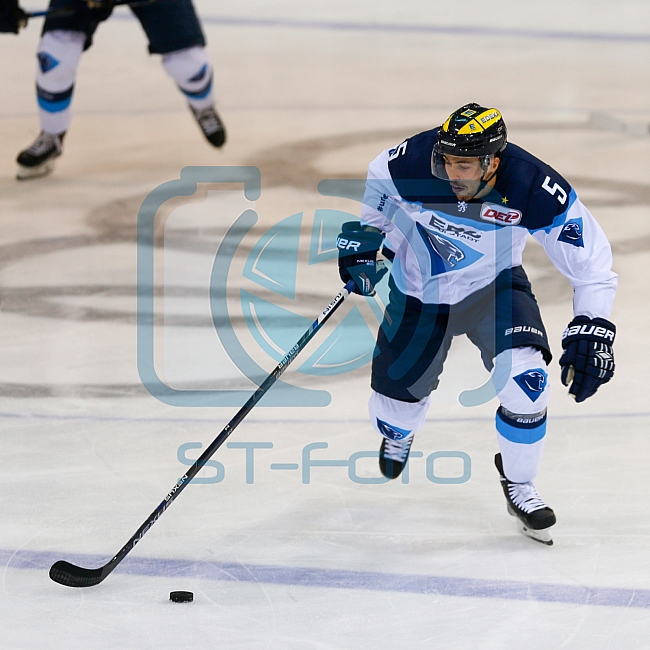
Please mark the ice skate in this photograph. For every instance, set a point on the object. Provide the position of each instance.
(534, 517)
(211, 125)
(38, 159)
(393, 455)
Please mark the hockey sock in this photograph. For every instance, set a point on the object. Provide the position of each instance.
(388, 414)
(521, 441)
(521, 418)
(58, 54)
(191, 70)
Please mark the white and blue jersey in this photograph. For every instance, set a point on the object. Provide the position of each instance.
(446, 249)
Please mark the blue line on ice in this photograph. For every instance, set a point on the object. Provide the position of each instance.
(344, 579)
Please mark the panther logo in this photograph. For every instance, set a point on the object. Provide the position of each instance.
(532, 382)
(572, 231)
(389, 431)
(446, 249)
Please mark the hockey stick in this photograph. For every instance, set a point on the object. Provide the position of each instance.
(71, 575)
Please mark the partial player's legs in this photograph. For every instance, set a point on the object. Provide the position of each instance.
(58, 56)
(412, 343)
(521, 427)
(173, 30)
(192, 72)
(397, 422)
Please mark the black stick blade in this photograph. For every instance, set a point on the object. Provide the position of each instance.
(71, 575)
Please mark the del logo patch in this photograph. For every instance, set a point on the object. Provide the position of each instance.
(572, 233)
(500, 215)
(532, 382)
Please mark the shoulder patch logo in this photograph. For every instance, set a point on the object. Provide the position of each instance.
(500, 215)
(532, 382)
(572, 233)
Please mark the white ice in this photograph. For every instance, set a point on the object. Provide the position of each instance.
(275, 561)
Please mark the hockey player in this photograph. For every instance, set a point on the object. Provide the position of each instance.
(173, 30)
(453, 208)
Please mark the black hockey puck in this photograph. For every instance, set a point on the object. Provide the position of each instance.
(181, 596)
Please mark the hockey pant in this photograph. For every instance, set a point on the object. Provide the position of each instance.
(59, 53)
(520, 418)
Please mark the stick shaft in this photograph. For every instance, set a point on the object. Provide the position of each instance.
(216, 443)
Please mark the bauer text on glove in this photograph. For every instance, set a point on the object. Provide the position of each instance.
(358, 249)
(588, 358)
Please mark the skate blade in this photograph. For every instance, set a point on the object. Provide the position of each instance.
(542, 536)
(27, 173)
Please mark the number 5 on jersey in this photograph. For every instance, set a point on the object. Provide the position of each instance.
(561, 197)
(398, 151)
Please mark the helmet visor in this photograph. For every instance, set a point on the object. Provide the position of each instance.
(441, 163)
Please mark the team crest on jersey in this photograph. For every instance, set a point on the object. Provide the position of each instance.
(447, 255)
(500, 215)
(572, 233)
(532, 382)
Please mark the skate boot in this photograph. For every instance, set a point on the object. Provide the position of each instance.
(534, 517)
(38, 159)
(393, 455)
(211, 125)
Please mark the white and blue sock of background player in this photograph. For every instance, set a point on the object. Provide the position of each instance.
(59, 53)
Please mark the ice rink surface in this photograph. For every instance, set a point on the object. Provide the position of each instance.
(281, 553)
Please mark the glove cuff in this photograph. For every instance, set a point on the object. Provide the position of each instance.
(583, 328)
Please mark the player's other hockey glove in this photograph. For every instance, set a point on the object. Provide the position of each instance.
(12, 17)
(588, 359)
(358, 249)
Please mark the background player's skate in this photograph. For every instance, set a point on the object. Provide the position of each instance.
(38, 159)
(211, 125)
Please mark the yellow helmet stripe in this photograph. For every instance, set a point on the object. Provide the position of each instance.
(471, 127)
(488, 118)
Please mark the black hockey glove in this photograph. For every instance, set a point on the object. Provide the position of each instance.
(12, 17)
(588, 359)
(358, 257)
